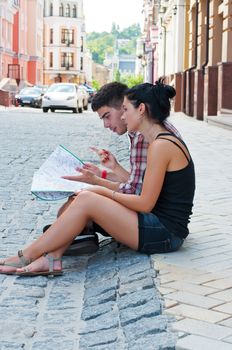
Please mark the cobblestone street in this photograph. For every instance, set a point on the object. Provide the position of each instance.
(107, 301)
(114, 300)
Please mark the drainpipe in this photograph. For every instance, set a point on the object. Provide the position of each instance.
(195, 52)
(165, 34)
(206, 38)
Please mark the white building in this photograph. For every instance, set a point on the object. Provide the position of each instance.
(65, 42)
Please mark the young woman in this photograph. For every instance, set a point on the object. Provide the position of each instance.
(154, 221)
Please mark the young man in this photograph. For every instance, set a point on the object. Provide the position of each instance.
(107, 102)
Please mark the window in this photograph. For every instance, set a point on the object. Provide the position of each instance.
(51, 59)
(61, 10)
(51, 36)
(82, 44)
(67, 36)
(81, 64)
(74, 11)
(51, 9)
(67, 59)
(67, 11)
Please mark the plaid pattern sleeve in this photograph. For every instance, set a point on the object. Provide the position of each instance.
(138, 161)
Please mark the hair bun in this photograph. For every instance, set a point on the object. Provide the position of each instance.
(171, 92)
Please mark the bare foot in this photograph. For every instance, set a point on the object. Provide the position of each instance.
(41, 265)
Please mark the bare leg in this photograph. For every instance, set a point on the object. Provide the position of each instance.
(120, 222)
(65, 205)
(89, 226)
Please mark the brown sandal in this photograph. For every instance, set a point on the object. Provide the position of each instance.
(51, 271)
(22, 261)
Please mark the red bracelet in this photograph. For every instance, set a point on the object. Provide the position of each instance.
(104, 174)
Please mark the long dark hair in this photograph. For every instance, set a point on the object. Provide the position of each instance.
(155, 97)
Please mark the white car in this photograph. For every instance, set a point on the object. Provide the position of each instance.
(65, 96)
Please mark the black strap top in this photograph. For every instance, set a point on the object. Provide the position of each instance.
(175, 202)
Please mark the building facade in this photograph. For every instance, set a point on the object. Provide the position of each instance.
(193, 52)
(8, 10)
(21, 41)
(64, 42)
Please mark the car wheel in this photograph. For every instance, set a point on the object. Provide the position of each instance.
(80, 110)
(45, 109)
(52, 110)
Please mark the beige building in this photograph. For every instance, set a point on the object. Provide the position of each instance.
(64, 42)
(101, 73)
(194, 52)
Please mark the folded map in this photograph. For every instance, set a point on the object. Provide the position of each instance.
(47, 183)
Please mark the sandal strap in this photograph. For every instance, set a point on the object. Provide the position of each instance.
(51, 261)
(23, 260)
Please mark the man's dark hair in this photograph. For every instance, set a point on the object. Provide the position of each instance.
(111, 95)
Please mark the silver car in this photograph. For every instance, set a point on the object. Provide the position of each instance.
(65, 96)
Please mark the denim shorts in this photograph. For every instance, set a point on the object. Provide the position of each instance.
(154, 237)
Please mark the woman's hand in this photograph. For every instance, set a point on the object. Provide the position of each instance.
(86, 176)
(107, 159)
(93, 168)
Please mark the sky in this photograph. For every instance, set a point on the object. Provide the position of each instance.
(99, 14)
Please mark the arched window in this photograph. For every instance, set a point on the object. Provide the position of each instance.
(74, 11)
(61, 10)
(51, 9)
(67, 11)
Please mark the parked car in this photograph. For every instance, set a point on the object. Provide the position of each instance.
(91, 91)
(65, 96)
(29, 96)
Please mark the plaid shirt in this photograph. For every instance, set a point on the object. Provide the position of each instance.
(138, 160)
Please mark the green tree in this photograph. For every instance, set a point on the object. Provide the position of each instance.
(131, 80)
(117, 75)
(102, 44)
(96, 84)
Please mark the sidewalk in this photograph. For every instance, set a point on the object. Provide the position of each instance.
(197, 280)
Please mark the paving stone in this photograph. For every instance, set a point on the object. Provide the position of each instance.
(161, 341)
(109, 320)
(227, 322)
(136, 299)
(143, 283)
(193, 342)
(100, 338)
(198, 313)
(204, 329)
(220, 284)
(94, 311)
(132, 314)
(144, 327)
(228, 340)
(5, 345)
(193, 288)
(226, 308)
(52, 344)
(194, 299)
(225, 295)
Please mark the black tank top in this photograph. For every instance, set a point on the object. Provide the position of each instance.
(175, 202)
